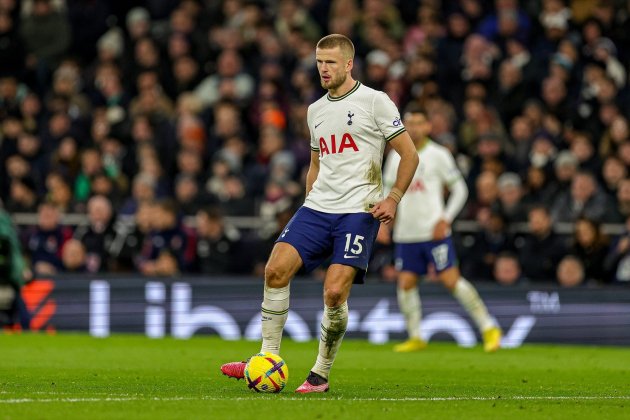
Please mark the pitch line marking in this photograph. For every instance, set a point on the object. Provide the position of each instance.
(411, 399)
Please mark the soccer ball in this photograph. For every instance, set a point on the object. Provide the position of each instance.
(266, 372)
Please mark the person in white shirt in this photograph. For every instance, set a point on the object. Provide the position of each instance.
(422, 234)
(349, 129)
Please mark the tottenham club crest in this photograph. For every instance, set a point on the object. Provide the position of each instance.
(350, 115)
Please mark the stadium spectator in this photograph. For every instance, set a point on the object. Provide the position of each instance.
(570, 272)
(541, 249)
(97, 236)
(46, 241)
(229, 83)
(622, 210)
(22, 196)
(169, 247)
(130, 234)
(73, 257)
(12, 48)
(511, 203)
(613, 172)
(583, 199)
(47, 37)
(481, 252)
(218, 245)
(591, 247)
(507, 270)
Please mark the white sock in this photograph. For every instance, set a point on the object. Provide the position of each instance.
(333, 327)
(467, 296)
(274, 310)
(411, 307)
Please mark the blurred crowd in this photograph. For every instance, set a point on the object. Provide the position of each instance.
(141, 113)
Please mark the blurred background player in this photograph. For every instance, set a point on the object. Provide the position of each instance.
(344, 203)
(422, 234)
(13, 273)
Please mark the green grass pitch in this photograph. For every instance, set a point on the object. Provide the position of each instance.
(132, 377)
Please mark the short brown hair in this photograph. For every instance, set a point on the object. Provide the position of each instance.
(337, 40)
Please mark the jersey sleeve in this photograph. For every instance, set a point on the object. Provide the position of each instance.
(387, 116)
(309, 121)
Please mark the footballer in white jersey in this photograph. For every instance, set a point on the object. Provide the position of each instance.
(344, 204)
(423, 206)
(422, 235)
(349, 134)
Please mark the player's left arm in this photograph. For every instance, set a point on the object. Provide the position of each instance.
(385, 210)
(453, 179)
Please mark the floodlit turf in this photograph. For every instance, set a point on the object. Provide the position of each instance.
(128, 377)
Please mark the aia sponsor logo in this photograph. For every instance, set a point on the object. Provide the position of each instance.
(333, 146)
(416, 185)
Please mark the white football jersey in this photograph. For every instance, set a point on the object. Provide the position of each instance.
(423, 204)
(350, 133)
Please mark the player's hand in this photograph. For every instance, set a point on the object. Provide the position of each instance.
(440, 230)
(385, 210)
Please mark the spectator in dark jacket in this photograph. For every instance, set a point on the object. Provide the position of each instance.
(584, 199)
(46, 242)
(591, 247)
(218, 245)
(541, 249)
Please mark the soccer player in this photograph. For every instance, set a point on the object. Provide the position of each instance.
(422, 234)
(340, 217)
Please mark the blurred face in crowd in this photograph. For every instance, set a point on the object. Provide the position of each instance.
(5, 22)
(41, 7)
(539, 222)
(507, 270)
(333, 66)
(619, 130)
(582, 187)
(521, 129)
(185, 69)
(47, 217)
(146, 53)
(486, 186)
(613, 172)
(91, 162)
(570, 272)
(99, 210)
(582, 148)
(623, 192)
(73, 255)
(553, 91)
(20, 193)
(58, 190)
(209, 227)
(186, 190)
(17, 167)
(585, 232)
(458, 25)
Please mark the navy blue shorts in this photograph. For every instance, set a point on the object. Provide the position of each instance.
(417, 256)
(346, 238)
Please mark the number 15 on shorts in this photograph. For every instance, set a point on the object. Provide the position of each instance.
(353, 247)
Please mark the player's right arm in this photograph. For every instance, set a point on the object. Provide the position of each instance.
(313, 171)
(452, 178)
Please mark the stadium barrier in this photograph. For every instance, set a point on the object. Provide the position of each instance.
(229, 307)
